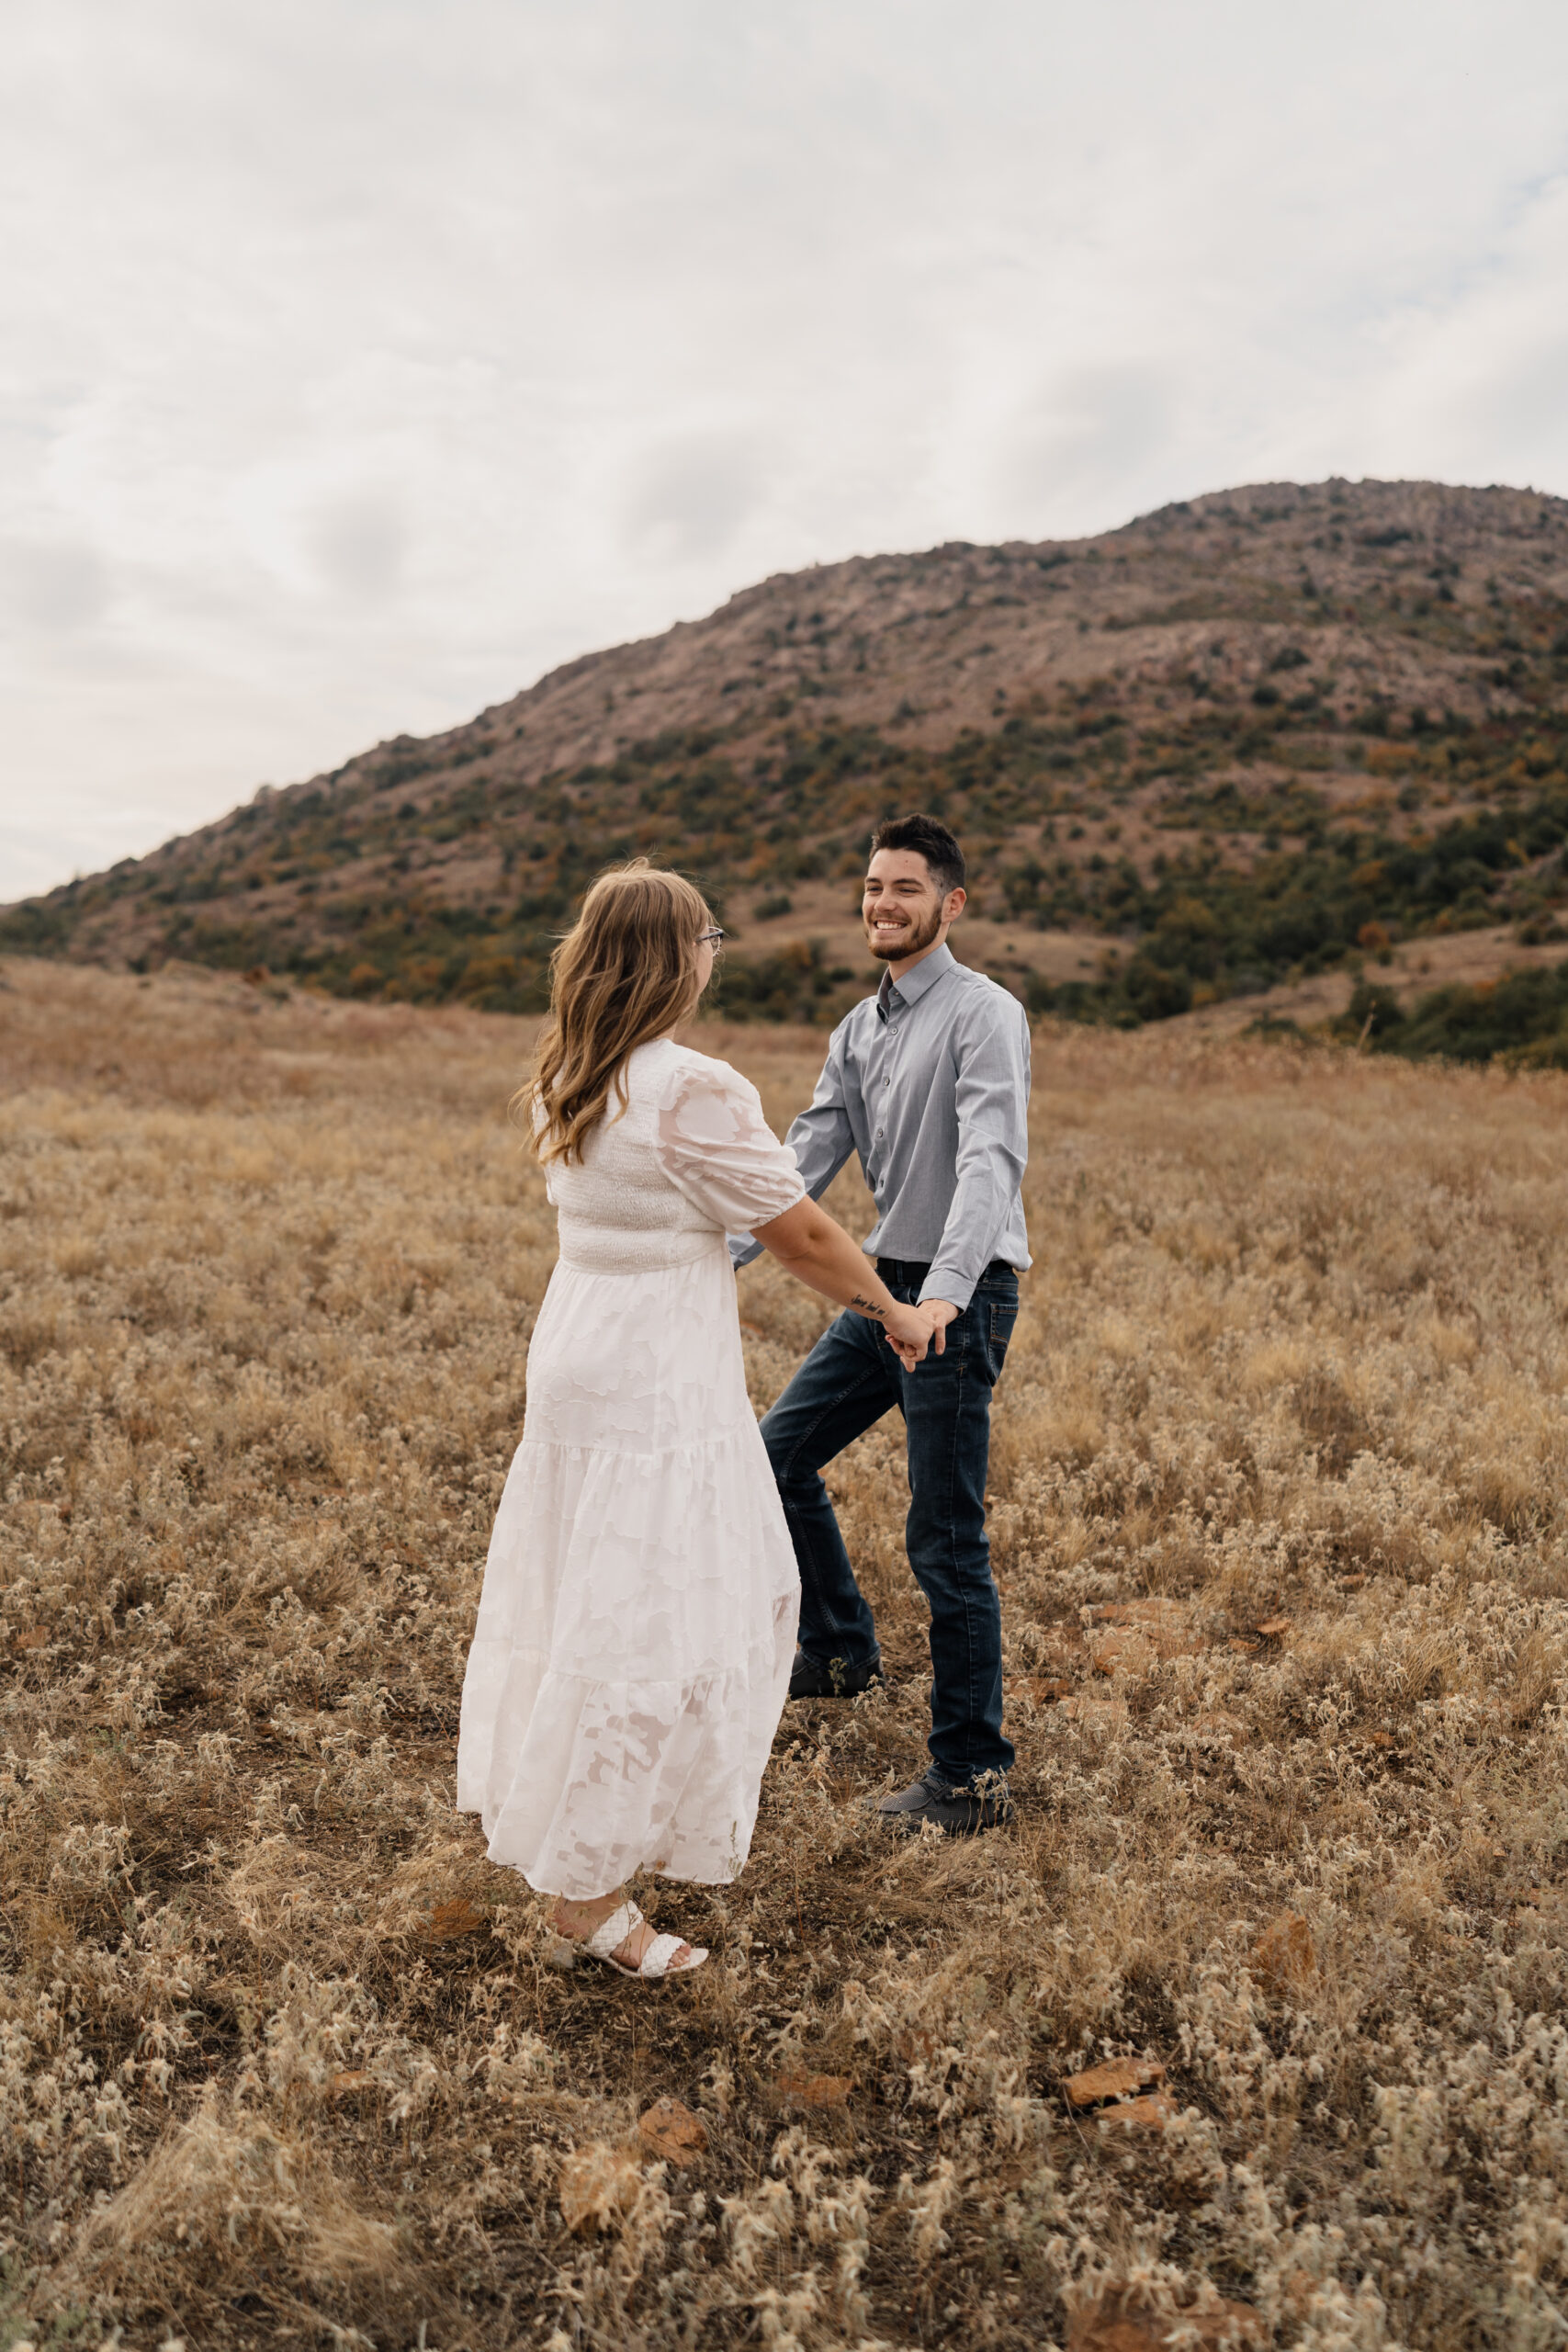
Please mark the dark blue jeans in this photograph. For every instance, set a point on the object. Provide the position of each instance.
(850, 1378)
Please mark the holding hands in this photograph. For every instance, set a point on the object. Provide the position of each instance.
(818, 1252)
(911, 1330)
(941, 1313)
(908, 1330)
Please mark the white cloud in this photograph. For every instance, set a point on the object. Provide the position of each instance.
(687, 498)
(1084, 442)
(362, 358)
(1479, 387)
(51, 584)
(359, 541)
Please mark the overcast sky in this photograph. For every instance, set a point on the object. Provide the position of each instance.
(361, 360)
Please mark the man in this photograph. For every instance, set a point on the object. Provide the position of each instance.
(928, 1080)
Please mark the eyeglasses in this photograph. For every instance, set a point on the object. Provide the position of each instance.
(709, 938)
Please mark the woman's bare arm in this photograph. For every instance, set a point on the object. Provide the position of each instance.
(815, 1249)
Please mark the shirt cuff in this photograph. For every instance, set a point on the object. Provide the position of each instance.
(949, 1282)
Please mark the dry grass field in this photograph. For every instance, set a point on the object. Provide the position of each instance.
(1281, 1493)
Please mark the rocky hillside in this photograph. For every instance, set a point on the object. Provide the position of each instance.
(1243, 739)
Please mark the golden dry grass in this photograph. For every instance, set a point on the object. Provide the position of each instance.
(282, 2058)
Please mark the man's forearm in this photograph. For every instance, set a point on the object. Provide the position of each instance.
(974, 1225)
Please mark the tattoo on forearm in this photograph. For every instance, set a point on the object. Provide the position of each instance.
(866, 1308)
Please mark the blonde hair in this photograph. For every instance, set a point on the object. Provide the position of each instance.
(624, 973)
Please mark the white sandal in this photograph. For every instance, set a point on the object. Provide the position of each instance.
(656, 1961)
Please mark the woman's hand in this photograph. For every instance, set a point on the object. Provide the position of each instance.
(908, 1330)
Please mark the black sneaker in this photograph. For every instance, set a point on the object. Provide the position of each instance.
(812, 1677)
(957, 1813)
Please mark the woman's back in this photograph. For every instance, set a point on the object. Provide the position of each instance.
(690, 1158)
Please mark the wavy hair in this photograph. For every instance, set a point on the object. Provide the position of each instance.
(626, 972)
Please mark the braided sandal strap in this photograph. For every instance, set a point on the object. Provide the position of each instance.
(656, 1960)
(606, 1939)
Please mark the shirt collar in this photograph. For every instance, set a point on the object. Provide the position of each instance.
(914, 984)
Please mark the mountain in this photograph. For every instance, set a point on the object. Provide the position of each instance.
(1242, 739)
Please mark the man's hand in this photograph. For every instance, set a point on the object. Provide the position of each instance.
(908, 1332)
(941, 1313)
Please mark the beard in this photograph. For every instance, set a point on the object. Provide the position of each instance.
(893, 947)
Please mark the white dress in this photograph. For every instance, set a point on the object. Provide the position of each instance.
(638, 1623)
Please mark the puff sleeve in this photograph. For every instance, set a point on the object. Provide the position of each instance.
(717, 1149)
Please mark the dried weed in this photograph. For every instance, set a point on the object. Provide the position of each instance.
(1279, 1500)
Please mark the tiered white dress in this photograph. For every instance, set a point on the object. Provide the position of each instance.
(638, 1623)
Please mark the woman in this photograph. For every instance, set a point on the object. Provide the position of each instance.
(637, 1629)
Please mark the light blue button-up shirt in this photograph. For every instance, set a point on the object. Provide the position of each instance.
(928, 1080)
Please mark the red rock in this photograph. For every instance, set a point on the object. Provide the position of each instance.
(673, 2133)
(450, 1920)
(1116, 2079)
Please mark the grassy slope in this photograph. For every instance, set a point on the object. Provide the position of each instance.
(1223, 749)
(280, 2050)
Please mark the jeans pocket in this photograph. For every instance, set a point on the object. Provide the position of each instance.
(1001, 1316)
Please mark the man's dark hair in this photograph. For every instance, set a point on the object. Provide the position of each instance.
(929, 839)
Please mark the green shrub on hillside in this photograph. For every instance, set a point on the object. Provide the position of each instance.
(795, 984)
(1522, 1019)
